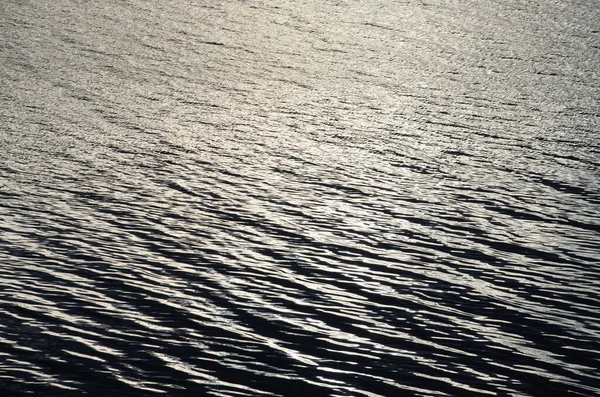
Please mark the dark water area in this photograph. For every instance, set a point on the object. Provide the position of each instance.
(248, 198)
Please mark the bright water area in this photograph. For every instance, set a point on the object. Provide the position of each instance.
(277, 198)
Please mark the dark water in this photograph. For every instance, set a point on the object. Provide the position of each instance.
(366, 198)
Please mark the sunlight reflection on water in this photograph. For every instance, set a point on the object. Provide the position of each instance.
(290, 198)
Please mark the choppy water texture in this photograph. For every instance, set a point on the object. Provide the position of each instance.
(376, 198)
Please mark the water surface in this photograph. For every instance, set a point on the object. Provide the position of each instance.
(371, 198)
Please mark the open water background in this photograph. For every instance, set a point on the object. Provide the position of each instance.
(345, 198)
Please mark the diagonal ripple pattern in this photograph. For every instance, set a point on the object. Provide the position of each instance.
(289, 198)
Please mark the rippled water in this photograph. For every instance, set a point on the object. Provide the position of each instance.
(373, 198)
